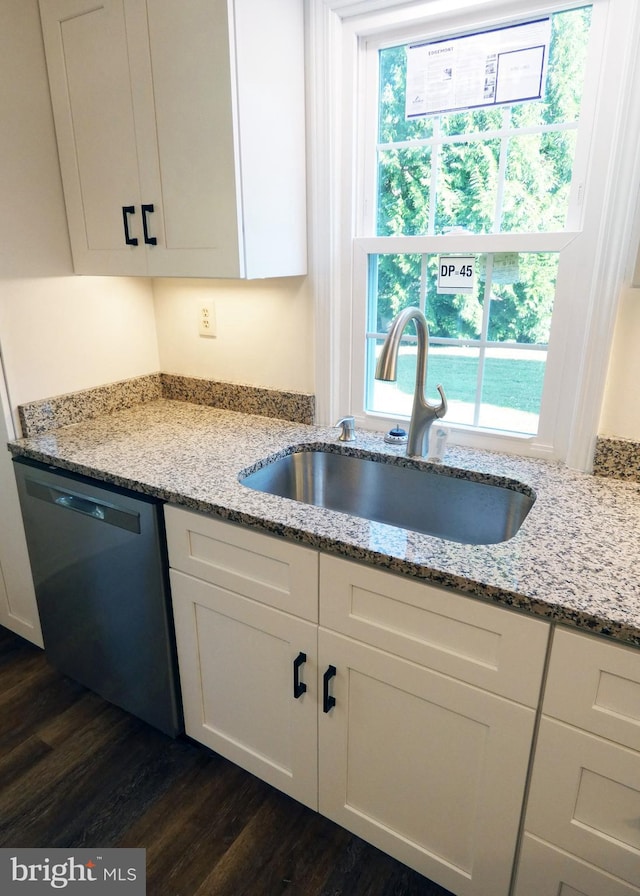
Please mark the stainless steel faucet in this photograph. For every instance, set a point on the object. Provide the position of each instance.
(422, 414)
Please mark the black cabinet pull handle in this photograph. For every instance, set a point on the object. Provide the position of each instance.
(328, 700)
(299, 687)
(126, 211)
(149, 240)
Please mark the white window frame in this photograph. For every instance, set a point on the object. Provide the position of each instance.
(335, 28)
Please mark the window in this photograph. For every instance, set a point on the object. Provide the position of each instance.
(502, 167)
(489, 347)
(495, 157)
(531, 189)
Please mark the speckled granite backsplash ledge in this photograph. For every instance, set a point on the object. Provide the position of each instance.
(614, 457)
(38, 417)
(619, 458)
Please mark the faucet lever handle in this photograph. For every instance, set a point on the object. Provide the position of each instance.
(348, 425)
(442, 408)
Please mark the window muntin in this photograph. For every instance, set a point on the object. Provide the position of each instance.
(496, 170)
(490, 361)
(424, 164)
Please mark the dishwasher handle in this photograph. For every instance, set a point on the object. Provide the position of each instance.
(81, 505)
(97, 510)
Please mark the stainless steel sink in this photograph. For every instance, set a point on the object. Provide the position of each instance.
(434, 503)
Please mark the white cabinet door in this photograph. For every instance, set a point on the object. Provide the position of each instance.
(192, 123)
(585, 798)
(228, 88)
(547, 871)
(181, 125)
(429, 769)
(248, 677)
(88, 61)
(18, 606)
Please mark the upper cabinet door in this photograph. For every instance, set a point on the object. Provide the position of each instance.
(88, 64)
(190, 115)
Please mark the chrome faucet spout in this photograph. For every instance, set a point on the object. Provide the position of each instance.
(423, 413)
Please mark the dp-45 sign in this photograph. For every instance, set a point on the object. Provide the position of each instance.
(456, 273)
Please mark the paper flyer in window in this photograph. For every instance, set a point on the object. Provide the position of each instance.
(488, 68)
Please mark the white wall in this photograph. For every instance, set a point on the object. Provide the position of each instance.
(58, 333)
(66, 333)
(621, 408)
(264, 331)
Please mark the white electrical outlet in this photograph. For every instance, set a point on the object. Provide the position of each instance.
(206, 319)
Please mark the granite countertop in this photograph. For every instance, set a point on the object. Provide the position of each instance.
(574, 560)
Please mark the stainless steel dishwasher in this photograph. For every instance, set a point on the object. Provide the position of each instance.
(98, 559)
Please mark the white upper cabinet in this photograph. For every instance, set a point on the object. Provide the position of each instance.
(180, 127)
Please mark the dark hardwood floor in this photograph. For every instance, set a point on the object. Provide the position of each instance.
(78, 772)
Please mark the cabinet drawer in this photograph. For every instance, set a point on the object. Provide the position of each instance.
(547, 871)
(493, 648)
(258, 566)
(595, 685)
(585, 798)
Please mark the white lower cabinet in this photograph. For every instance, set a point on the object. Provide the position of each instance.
(422, 754)
(401, 711)
(240, 652)
(582, 824)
